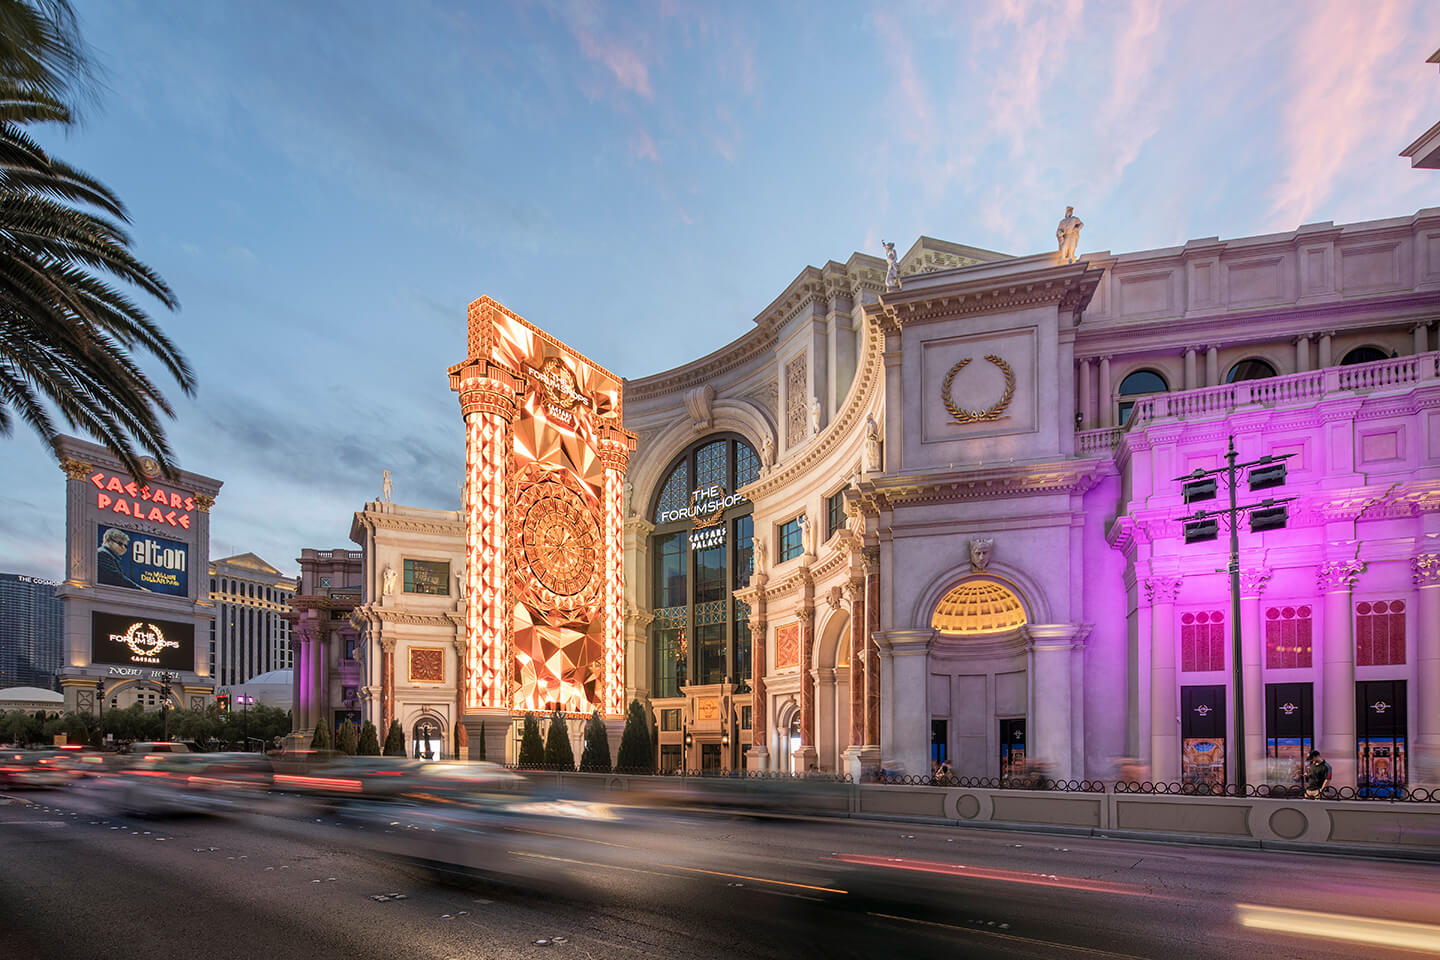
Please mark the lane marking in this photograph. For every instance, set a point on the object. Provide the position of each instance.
(741, 876)
(1400, 934)
(590, 863)
(562, 836)
(1088, 951)
(993, 873)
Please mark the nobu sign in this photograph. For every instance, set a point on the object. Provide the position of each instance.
(142, 501)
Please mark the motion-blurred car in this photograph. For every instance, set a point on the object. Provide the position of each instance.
(160, 784)
(34, 768)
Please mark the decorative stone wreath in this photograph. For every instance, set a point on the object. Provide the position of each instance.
(962, 415)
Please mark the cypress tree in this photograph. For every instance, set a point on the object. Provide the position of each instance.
(532, 748)
(321, 740)
(346, 742)
(596, 758)
(558, 753)
(395, 740)
(637, 755)
(369, 745)
(482, 741)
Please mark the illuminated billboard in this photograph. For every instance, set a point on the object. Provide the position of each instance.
(140, 561)
(142, 641)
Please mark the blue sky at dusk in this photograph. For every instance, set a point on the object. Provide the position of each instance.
(327, 185)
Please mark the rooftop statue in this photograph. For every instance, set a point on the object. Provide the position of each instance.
(385, 485)
(892, 272)
(1068, 234)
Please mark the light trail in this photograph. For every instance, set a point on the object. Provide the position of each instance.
(1049, 944)
(987, 873)
(1399, 934)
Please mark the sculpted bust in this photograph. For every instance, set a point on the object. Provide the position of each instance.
(389, 578)
(980, 550)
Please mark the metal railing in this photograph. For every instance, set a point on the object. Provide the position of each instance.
(1275, 791)
(1272, 391)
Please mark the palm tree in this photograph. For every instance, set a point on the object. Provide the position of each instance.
(68, 334)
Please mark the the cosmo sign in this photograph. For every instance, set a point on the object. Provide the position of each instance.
(142, 641)
(142, 501)
(139, 561)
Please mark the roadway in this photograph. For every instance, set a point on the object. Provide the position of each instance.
(294, 881)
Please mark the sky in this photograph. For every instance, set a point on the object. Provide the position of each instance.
(327, 185)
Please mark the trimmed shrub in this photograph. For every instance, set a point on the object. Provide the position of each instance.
(637, 753)
(321, 740)
(395, 740)
(532, 748)
(369, 745)
(558, 753)
(347, 741)
(596, 758)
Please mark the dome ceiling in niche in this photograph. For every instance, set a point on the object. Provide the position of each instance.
(976, 608)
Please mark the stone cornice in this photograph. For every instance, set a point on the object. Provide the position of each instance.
(399, 523)
(379, 615)
(985, 288)
(843, 429)
(982, 483)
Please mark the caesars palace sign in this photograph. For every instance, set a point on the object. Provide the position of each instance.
(142, 501)
(707, 508)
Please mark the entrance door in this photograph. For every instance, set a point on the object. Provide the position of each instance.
(1012, 748)
(709, 756)
(1289, 731)
(1380, 737)
(1202, 733)
(939, 742)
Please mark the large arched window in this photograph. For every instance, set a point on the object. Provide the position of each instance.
(1136, 385)
(1363, 355)
(1250, 369)
(700, 554)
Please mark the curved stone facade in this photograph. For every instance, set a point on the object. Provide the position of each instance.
(980, 424)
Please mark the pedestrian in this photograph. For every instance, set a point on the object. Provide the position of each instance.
(942, 771)
(1319, 777)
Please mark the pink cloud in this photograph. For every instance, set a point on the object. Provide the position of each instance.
(642, 147)
(625, 62)
(1345, 99)
(912, 104)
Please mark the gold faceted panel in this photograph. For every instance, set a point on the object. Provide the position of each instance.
(545, 470)
(978, 607)
(556, 661)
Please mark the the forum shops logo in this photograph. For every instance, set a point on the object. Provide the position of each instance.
(146, 641)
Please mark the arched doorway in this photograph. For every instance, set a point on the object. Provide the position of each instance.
(832, 692)
(979, 679)
(427, 739)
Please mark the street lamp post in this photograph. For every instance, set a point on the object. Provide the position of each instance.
(1269, 514)
(166, 679)
(245, 701)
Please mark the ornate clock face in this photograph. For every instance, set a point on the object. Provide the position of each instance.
(561, 539)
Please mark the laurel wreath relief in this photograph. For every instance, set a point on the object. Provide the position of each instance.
(962, 415)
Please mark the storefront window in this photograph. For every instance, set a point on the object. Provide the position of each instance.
(702, 551)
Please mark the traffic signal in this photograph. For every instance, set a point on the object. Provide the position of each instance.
(1201, 488)
(1267, 517)
(1198, 531)
(222, 702)
(1267, 475)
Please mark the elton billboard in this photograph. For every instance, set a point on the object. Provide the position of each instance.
(140, 561)
(142, 641)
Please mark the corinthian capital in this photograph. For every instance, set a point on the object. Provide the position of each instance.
(1252, 582)
(1426, 569)
(1335, 575)
(1162, 589)
(75, 469)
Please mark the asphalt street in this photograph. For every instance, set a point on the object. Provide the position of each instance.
(290, 881)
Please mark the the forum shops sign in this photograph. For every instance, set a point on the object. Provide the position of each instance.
(707, 508)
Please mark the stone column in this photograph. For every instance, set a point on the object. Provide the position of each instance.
(1164, 695)
(905, 654)
(872, 648)
(1212, 366)
(1426, 569)
(1325, 358)
(1302, 354)
(1420, 335)
(1190, 383)
(1105, 399)
(487, 405)
(615, 445)
(387, 682)
(1086, 405)
(806, 754)
(1252, 646)
(1337, 725)
(855, 591)
(760, 722)
(1051, 648)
